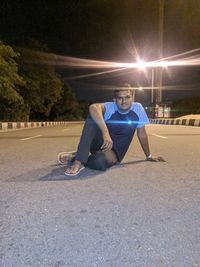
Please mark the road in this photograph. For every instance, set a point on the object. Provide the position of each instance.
(137, 214)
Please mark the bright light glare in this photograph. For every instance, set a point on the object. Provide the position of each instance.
(141, 64)
(164, 64)
(140, 88)
(66, 61)
(188, 58)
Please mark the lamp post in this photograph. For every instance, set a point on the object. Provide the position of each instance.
(158, 96)
(152, 93)
(152, 86)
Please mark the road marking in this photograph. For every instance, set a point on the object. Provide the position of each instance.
(32, 137)
(187, 126)
(160, 136)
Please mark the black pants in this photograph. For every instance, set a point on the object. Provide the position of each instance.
(90, 142)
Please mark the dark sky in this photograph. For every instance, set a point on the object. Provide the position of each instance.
(111, 30)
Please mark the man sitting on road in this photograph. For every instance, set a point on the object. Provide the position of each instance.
(108, 132)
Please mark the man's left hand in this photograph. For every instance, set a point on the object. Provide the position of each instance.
(156, 159)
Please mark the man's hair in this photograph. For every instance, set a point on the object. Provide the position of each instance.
(124, 87)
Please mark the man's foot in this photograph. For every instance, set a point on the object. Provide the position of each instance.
(64, 157)
(75, 169)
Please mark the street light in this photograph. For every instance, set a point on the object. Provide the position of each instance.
(142, 65)
(152, 93)
(152, 86)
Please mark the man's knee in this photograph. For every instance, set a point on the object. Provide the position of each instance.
(97, 161)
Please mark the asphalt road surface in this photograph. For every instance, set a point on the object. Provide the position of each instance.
(137, 214)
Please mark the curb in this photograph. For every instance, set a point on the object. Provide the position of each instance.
(27, 125)
(186, 122)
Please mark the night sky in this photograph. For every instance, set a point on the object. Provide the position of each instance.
(111, 30)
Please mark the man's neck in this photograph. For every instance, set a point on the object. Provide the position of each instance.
(122, 111)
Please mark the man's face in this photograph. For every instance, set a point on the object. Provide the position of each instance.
(123, 100)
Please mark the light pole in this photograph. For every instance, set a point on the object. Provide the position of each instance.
(152, 92)
(158, 96)
(152, 86)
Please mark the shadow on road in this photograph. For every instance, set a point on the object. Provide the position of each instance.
(56, 173)
(131, 162)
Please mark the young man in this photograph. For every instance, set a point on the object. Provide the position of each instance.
(108, 132)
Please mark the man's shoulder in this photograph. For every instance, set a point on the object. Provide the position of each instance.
(109, 105)
(137, 104)
(109, 109)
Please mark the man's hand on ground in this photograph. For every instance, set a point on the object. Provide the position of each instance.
(107, 142)
(155, 159)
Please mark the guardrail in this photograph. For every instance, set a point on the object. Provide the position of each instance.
(187, 122)
(23, 125)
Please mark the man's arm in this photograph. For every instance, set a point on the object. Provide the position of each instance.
(143, 138)
(96, 112)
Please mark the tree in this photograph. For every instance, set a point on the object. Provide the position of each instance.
(10, 81)
(43, 85)
(67, 108)
(83, 104)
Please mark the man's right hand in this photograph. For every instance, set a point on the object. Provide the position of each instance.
(96, 112)
(107, 142)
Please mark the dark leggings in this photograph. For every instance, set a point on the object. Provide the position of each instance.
(90, 142)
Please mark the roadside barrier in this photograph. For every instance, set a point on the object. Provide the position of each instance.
(187, 122)
(23, 125)
(28, 125)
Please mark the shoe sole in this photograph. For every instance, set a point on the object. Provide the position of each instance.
(74, 174)
(64, 154)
